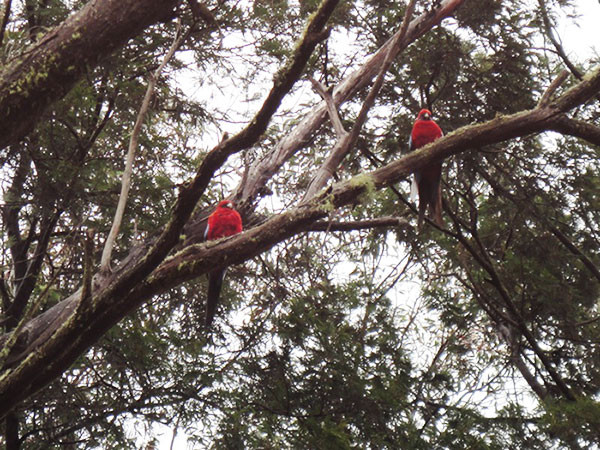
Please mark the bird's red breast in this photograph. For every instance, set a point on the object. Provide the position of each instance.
(425, 130)
(224, 221)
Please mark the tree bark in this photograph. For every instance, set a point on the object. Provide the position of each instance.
(50, 67)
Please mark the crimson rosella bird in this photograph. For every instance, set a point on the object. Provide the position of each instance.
(427, 180)
(224, 221)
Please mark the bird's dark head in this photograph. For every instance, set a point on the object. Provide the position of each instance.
(424, 114)
(226, 204)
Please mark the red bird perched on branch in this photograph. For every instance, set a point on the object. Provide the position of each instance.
(427, 180)
(224, 221)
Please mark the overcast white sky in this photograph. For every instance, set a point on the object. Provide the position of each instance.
(581, 37)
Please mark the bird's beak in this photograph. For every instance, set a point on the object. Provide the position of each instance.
(426, 116)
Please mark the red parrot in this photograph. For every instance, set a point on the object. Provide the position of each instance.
(224, 221)
(427, 180)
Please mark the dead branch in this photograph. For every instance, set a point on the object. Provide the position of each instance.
(347, 141)
(334, 114)
(264, 169)
(556, 83)
(133, 144)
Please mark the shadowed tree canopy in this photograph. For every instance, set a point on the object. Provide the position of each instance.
(340, 325)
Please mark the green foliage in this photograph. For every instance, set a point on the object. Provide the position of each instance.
(384, 338)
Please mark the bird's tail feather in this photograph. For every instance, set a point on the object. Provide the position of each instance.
(215, 282)
(436, 206)
(431, 198)
(414, 190)
(422, 208)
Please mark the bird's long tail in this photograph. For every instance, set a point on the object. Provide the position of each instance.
(436, 206)
(430, 194)
(215, 282)
(414, 190)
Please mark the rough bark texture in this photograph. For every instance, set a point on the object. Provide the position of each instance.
(48, 70)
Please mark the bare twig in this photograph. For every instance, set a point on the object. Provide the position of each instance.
(133, 144)
(557, 45)
(556, 83)
(334, 115)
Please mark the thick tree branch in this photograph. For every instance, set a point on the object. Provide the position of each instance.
(577, 128)
(356, 225)
(48, 70)
(533, 383)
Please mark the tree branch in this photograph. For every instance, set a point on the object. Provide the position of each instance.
(347, 141)
(263, 170)
(556, 83)
(5, 18)
(88, 254)
(486, 264)
(557, 45)
(133, 143)
(355, 225)
(577, 128)
(334, 115)
(65, 54)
